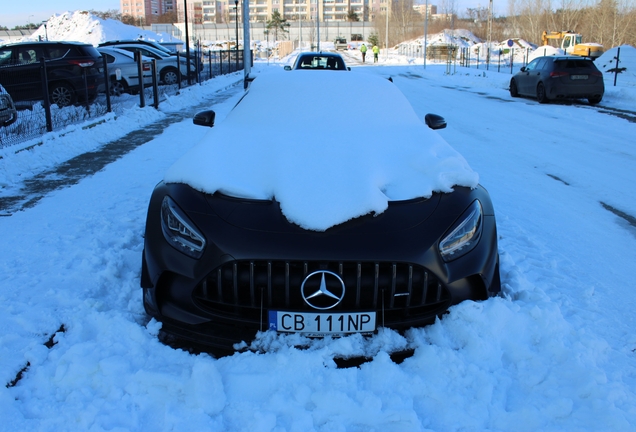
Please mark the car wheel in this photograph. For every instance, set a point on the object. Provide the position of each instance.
(541, 97)
(594, 100)
(117, 88)
(514, 92)
(169, 75)
(62, 95)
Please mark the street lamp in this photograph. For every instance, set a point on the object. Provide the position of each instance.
(236, 16)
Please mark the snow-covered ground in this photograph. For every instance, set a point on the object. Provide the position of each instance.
(557, 351)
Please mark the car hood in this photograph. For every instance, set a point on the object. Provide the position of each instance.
(328, 147)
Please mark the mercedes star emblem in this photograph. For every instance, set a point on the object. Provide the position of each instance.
(323, 289)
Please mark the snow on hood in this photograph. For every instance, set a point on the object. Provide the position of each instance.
(330, 146)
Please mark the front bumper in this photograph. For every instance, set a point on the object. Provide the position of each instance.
(223, 298)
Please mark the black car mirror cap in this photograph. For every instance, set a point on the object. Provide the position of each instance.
(435, 121)
(204, 118)
(287, 68)
(523, 69)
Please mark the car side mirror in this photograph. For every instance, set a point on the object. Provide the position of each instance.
(204, 118)
(287, 68)
(523, 69)
(348, 68)
(434, 121)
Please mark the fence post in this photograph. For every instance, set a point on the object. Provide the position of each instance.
(512, 58)
(87, 104)
(107, 85)
(618, 56)
(210, 63)
(155, 87)
(179, 70)
(47, 102)
(140, 74)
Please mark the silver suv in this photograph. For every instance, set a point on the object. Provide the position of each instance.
(166, 63)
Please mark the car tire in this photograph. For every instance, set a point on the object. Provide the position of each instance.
(117, 88)
(594, 100)
(62, 94)
(514, 92)
(169, 75)
(541, 97)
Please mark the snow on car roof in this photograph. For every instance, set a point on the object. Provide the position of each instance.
(328, 146)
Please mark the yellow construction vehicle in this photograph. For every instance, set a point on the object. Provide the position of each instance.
(572, 43)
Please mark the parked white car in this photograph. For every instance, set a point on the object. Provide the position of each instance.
(8, 113)
(123, 71)
(167, 64)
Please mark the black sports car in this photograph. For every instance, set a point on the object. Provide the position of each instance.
(281, 220)
(319, 61)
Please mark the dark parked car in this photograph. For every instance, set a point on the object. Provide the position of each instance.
(559, 77)
(319, 61)
(73, 71)
(8, 112)
(325, 229)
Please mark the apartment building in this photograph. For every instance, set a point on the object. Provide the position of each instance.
(146, 11)
(226, 11)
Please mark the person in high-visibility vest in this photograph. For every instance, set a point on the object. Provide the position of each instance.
(376, 52)
(363, 50)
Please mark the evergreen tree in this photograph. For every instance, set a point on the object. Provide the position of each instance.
(277, 22)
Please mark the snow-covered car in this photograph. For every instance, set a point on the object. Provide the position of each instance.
(8, 112)
(123, 70)
(303, 225)
(551, 78)
(319, 61)
(167, 64)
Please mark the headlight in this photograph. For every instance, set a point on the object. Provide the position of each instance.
(464, 235)
(179, 231)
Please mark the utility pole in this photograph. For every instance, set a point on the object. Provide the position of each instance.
(425, 32)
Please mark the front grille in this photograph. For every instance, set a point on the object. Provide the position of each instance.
(243, 289)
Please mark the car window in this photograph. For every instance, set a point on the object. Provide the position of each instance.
(29, 54)
(532, 65)
(109, 58)
(321, 62)
(56, 52)
(5, 56)
(575, 64)
(541, 64)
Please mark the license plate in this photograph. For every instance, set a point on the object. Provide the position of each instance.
(319, 324)
(578, 77)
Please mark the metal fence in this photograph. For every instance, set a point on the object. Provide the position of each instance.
(37, 117)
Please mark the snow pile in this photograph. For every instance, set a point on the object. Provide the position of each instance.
(626, 64)
(327, 175)
(83, 26)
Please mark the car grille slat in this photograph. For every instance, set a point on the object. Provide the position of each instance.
(235, 278)
(395, 289)
(287, 284)
(358, 284)
(252, 297)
